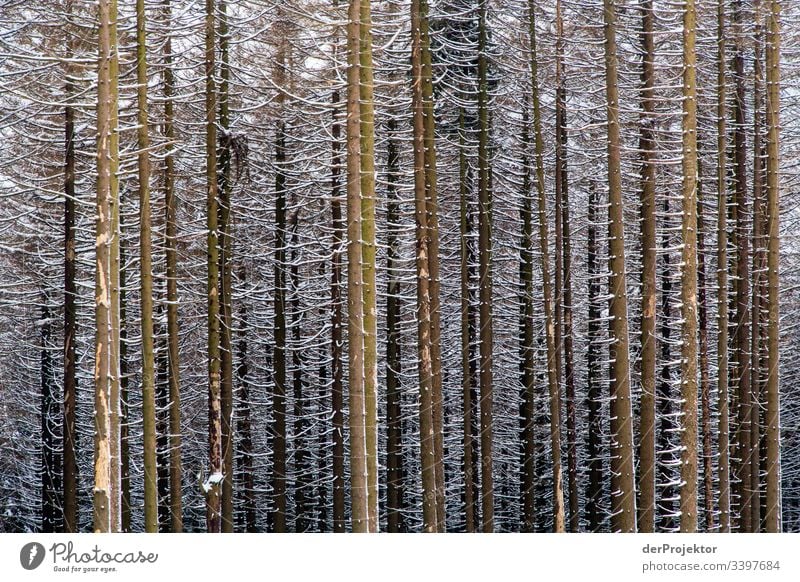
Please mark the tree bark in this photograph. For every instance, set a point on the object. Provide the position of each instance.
(647, 145)
(213, 488)
(772, 517)
(146, 279)
(623, 499)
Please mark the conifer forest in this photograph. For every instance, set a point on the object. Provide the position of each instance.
(399, 266)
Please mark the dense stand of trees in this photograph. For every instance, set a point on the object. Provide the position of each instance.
(401, 265)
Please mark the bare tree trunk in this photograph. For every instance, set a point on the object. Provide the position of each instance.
(51, 470)
(772, 517)
(647, 145)
(394, 360)
(244, 419)
(146, 280)
(171, 251)
(689, 276)
(553, 360)
(213, 488)
(359, 481)
(705, 373)
(722, 279)
(225, 187)
(106, 374)
(69, 434)
(564, 293)
(367, 144)
(623, 499)
(337, 370)
(425, 350)
(594, 393)
(485, 276)
(527, 342)
(742, 328)
(279, 350)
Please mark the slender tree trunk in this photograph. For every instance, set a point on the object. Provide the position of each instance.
(244, 419)
(359, 480)
(742, 328)
(758, 265)
(301, 476)
(705, 373)
(106, 374)
(554, 391)
(337, 370)
(124, 395)
(689, 276)
(118, 379)
(51, 470)
(162, 420)
(146, 279)
(425, 351)
(564, 294)
(279, 350)
(593, 366)
(171, 251)
(69, 434)
(665, 399)
(369, 294)
(485, 275)
(527, 342)
(647, 145)
(722, 279)
(467, 260)
(394, 360)
(213, 489)
(225, 187)
(772, 516)
(433, 259)
(623, 506)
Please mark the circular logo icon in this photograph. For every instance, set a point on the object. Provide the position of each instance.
(31, 555)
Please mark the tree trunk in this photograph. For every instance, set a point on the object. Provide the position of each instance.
(527, 342)
(244, 420)
(171, 252)
(772, 517)
(106, 373)
(722, 279)
(146, 279)
(705, 373)
(279, 350)
(69, 434)
(485, 275)
(647, 145)
(564, 263)
(553, 347)
(225, 187)
(742, 329)
(213, 487)
(689, 277)
(593, 366)
(337, 370)
(425, 350)
(394, 360)
(359, 480)
(51, 470)
(367, 144)
(623, 504)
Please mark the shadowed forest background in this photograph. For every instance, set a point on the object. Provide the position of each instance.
(414, 265)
